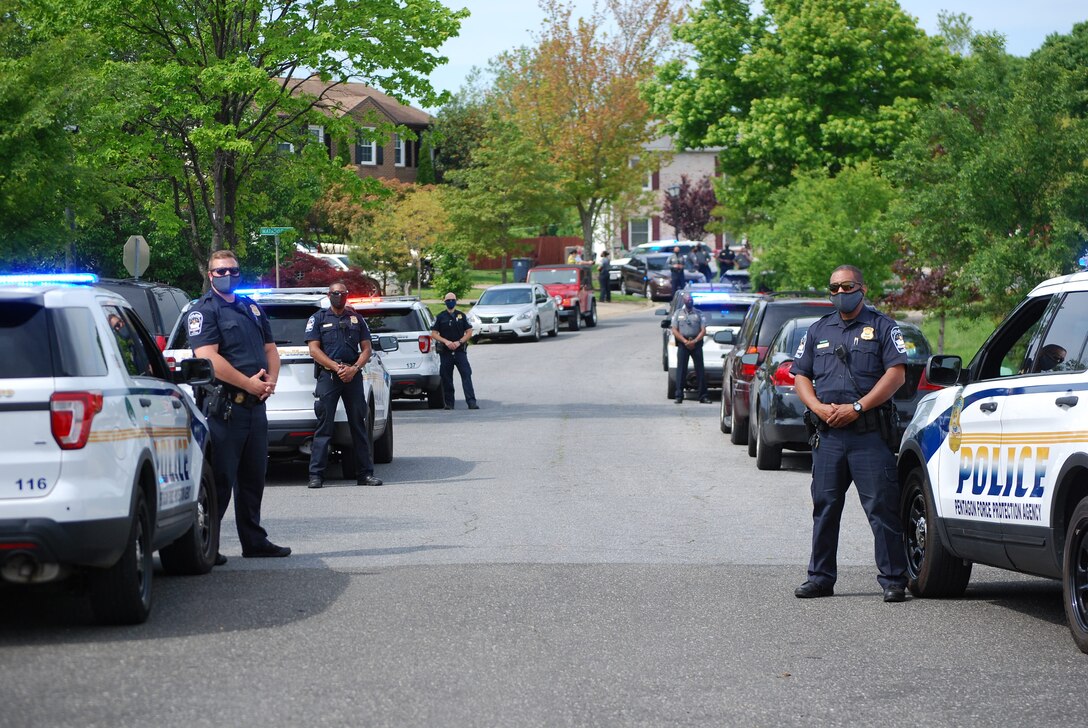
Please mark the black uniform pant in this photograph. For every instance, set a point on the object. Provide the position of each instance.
(447, 361)
(239, 459)
(841, 456)
(329, 391)
(677, 280)
(707, 273)
(696, 356)
(606, 289)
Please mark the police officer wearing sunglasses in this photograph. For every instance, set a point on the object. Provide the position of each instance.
(233, 332)
(339, 342)
(847, 368)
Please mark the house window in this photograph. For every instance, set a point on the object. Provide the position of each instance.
(398, 150)
(318, 132)
(638, 232)
(285, 147)
(365, 151)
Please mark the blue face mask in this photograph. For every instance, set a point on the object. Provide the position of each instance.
(451, 303)
(847, 302)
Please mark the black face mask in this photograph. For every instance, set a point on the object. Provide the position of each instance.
(1048, 362)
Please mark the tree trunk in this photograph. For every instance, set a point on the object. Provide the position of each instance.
(504, 266)
(940, 334)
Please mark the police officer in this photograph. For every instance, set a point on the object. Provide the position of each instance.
(604, 268)
(700, 255)
(233, 332)
(689, 330)
(847, 368)
(676, 263)
(339, 342)
(451, 331)
(726, 260)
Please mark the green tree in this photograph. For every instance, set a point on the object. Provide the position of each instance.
(451, 270)
(402, 232)
(808, 85)
(460, 126)
(425, 174)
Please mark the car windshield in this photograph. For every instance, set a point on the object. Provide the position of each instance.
(722, 313)
(657, 262)
(392, 320)
(506, 296)
(561, 275)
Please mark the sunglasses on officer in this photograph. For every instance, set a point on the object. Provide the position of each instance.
(233, 272)
(845, 287)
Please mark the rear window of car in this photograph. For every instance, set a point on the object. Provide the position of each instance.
(74, 347)
(723, 313)
(779, 313)
(393, 320)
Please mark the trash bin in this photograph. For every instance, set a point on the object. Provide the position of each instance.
(521, 269)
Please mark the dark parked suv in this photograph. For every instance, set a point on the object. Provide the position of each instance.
(760, 325)
(157, 304)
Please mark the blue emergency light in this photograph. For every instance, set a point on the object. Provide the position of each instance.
(48, 279)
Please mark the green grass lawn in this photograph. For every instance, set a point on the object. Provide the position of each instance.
(962, 336)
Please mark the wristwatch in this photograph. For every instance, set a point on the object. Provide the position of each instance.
(857, 407)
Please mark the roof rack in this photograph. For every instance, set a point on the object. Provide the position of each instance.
(810, 293)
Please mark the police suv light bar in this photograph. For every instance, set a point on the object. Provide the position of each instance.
(46, 279)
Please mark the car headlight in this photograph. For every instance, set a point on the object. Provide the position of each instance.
(558, 300)
(525, 315)
(474, 319)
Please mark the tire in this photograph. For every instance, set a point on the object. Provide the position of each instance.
(752, 435)
(1075, 575)
(555, 327)
(723, 416)
(121, 594)
(591, 319)
(671, 389)
(575, 321)
(623, 288)
(738, 428)
(768, 457)
(665, 357)
(434, 398)
(931, 570)
(194, 553)
(536, 330)
(383, 448)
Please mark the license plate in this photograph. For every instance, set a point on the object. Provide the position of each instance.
(488, 329)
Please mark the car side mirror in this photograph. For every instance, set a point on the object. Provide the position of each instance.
(661, 312)
(944, 369)
(666, 324)
(725, 337)
(194, 372)
(385, 343)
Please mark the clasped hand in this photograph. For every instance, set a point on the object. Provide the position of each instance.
(346, 372)
(259, 385)
(837, 415)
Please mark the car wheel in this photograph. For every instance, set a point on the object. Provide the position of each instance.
(575, 321)
(623, 288)
(536, 330)
(738, 428)
(383, 448)
(768, 457)
(434, 398)
(555, 327)
(931, 570)
(671, 389)
(194, 552)
(1075, 575)
(121, 594)
(723, 414)
(591, 320)
(665, 357)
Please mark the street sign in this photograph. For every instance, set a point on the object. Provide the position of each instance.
(137, 255)
(275, 230)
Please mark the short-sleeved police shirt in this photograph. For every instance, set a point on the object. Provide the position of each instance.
(676, 261)
(451, 325)
(241, 330)
(688, 323)
(873, 343)
(340, 336)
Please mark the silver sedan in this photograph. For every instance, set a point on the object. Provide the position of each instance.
(514, 310)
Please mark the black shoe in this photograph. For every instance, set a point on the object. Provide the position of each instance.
(679, 400)
(474, 406)
(220, 559)
(704, 400)
(448, 407)
(895, 594)
(369, 480)
(811, 590)
(268, 551)
(315, 483)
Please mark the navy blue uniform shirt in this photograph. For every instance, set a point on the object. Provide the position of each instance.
(873, 344)
(451, 325)
(241, 329)
(340, 336)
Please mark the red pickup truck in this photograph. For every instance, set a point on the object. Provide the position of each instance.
(572, 288)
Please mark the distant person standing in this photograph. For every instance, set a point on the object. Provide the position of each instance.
(604, 272)
(451, 332)
(689, 329)
(701, 255)
(727, 260)
(676, 264)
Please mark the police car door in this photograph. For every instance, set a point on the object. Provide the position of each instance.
(973, 472)
(1044, 421)
(157, 407)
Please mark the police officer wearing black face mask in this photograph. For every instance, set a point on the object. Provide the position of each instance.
(233, 332)
(847, 368)
(689, 330)
(451, 331)
(339, 342)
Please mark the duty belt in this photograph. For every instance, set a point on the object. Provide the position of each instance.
(241, 398)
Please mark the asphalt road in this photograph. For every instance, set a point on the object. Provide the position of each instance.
(580, 551)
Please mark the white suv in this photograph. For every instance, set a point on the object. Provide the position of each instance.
(103, 457)
(291, 417)
(994, 468)
(413, 368)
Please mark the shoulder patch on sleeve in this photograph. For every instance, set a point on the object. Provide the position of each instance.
(897, 340)
(801, 347)
(310, 325)
(195, 323)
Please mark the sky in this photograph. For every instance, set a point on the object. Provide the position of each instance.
(499, 25)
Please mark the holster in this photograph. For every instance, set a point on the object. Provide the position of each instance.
(214, 402)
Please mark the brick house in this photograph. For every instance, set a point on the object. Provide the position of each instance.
(396, 159)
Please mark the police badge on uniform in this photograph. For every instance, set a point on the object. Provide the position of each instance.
(255, 309)
(354, 320)
(868, 333)
(196, 323)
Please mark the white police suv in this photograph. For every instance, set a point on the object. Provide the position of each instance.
(103, 457)
(994, 468)
(413, 368)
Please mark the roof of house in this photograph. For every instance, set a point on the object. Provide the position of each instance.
(343, 98)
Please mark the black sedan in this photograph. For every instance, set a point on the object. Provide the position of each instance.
(776, 422)
(648, 275)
